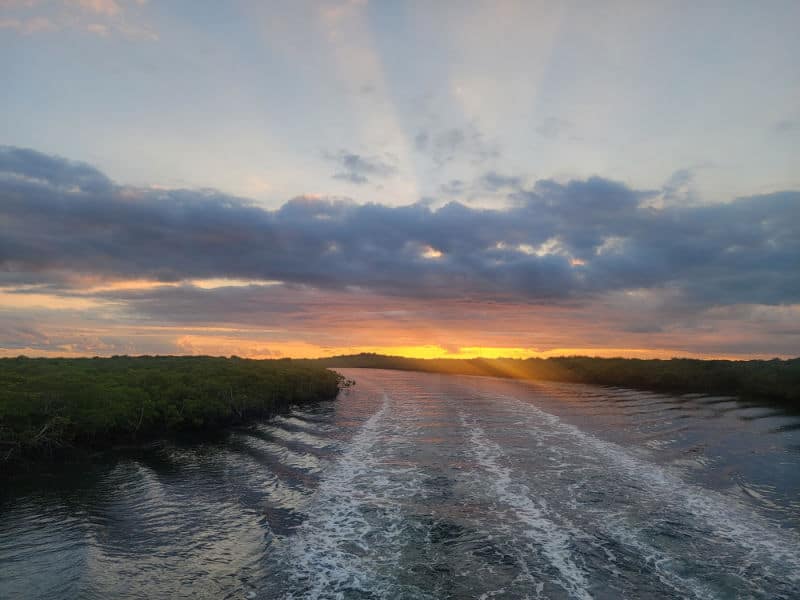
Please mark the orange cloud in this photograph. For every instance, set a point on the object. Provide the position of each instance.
(28, 26)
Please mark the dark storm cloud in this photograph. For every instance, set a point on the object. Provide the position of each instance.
(357, 169)
(557, 242)
(55, 171)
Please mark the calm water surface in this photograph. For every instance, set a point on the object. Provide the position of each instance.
(425, 486)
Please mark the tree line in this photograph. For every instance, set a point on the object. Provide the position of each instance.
(52, 403)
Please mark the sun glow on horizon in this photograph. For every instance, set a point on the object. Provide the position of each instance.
(225, 345)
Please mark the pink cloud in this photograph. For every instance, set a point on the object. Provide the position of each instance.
(28, 26)
(102, 7)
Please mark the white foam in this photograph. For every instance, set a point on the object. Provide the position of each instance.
(542, 531)
(724, 514)
(661, 562)
(352, 539)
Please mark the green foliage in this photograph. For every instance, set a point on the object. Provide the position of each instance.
(50, 403)
(771, 380)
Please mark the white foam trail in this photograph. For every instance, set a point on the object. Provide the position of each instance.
(660, 561)
(725, 515)
(352, 538)
(537, 527)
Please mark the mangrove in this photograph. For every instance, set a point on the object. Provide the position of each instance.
(49, 404)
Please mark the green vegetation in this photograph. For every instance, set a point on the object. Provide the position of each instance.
(770, 380)
(47, 404)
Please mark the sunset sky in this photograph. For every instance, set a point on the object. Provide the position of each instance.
(429, 179)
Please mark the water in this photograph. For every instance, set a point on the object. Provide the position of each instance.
(429, 486)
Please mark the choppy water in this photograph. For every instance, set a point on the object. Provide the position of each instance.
(426, 486)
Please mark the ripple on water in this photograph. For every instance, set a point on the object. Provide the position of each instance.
(429, 486)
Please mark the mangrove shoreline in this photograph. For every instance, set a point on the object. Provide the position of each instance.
(51, 406)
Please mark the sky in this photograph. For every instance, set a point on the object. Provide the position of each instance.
(273, 179)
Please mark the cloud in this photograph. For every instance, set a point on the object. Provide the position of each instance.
(314, 321)
(557, 243)
(57, 173)
(494, 182)
(98, 29)
(678, 180)
(357, 168)
(102, 7)
(454, 187)
(784, 126)
(553, 127)
(98, 17)
(677, 188)
(6, 4)
(456, 143)
(28, 26)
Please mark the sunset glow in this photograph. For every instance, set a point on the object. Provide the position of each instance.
(434, 181)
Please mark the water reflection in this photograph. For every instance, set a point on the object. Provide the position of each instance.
(429, 486)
